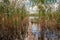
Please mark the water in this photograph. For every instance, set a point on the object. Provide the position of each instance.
(47, 33)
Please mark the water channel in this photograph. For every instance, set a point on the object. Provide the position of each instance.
(48, 34)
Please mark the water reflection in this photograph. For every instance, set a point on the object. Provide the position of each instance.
(35, 31)
(51, 35)
(47, 33)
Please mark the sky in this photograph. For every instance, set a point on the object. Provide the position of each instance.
(29, 7)
(35, 9)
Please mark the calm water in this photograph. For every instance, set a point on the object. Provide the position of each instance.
(47, 33)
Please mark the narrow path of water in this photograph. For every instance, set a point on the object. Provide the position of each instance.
(34, 33)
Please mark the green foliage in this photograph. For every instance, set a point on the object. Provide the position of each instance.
(37, 1)
(1, 7)
(50, 16)
(23, 12)
(58, 19)
(6, 2)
